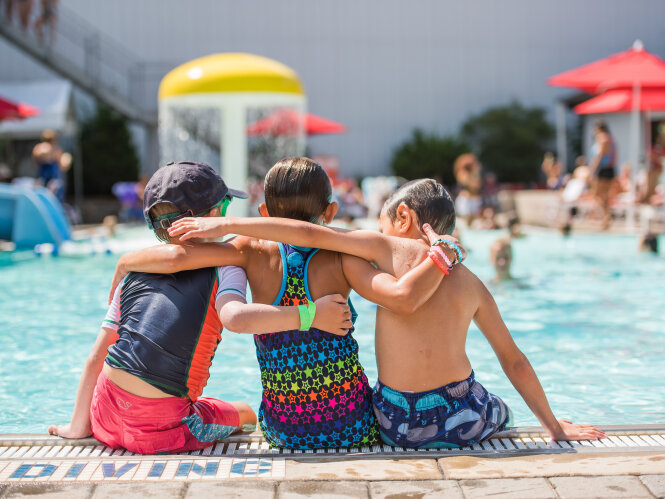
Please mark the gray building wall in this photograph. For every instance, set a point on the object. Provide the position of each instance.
(382, 67)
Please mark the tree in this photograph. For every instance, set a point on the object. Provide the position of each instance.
(107, 152)
(510, 140)
(428, 155)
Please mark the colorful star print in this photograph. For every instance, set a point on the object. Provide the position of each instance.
(303, 374)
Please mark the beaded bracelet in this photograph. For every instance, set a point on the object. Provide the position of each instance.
(442, 254)
(453, 247)
(438, 263)
(307, 313)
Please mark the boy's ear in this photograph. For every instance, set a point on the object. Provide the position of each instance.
(404, 219)
(263, 210)
(330, 212)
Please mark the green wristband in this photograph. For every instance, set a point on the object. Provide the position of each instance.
(307, 313)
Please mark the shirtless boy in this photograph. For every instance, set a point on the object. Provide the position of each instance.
(427, 395)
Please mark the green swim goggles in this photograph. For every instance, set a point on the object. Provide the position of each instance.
(165, 221)
(223, 204)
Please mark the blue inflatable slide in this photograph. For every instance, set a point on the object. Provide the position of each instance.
(31, 216)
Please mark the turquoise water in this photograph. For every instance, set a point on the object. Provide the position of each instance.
(587, 311)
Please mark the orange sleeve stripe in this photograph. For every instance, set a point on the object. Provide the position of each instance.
(199, 370)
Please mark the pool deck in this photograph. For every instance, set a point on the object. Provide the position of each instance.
(515, 463)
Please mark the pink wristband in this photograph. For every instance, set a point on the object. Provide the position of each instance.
(439, 251)
(438, 263)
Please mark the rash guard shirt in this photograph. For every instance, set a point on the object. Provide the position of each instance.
(168, 326)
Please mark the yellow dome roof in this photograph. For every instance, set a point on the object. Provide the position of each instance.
(230, 72)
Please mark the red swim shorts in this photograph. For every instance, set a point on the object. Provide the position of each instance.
(150, 426)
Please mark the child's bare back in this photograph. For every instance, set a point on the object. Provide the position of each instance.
(426, 349)
(264, 271)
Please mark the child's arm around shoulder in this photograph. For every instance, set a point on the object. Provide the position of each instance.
(170, 258)
(402, 296)
(333, 315)
(519, 370)
(370, 245)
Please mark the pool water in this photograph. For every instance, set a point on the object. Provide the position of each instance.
(587, 312)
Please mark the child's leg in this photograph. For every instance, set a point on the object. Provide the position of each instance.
(480, 416)
(502, 415)
(211, 420)
(246, 415)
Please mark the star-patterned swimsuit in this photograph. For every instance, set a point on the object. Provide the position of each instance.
(315, 392)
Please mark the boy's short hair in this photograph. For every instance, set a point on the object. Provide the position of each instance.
(159, 210)
(429, 200)
(297, 188)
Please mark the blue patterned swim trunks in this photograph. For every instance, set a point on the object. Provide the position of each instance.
(455, 415)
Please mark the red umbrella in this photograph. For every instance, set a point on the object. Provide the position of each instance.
(634, 67)
(620, 100)
(635, 71)
(12, 111)
(286, 121)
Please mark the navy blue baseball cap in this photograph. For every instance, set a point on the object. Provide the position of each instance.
(194, 188)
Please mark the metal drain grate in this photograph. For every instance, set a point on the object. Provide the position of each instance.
(41, 458)
(623, 438)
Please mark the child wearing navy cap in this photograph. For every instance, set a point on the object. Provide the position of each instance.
(142, 383)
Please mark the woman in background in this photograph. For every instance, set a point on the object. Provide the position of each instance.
(656, 165)
(602, 165)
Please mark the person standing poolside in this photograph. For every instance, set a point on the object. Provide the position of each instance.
(551, 167)
(162, 331)
(315, 392)
(655, 165)
(24, 8)
(468, 174)
(51, 163)
(427, 395)
(603, 162)
(47, 17)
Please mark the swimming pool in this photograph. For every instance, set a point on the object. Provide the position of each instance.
(587, 311)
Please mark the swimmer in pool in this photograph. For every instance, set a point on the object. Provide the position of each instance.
(427, 395)
(501, 257)
(142, 383)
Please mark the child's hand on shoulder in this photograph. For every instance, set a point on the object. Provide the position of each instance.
(434, 237)
(199, 227)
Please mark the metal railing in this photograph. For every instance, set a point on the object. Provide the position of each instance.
(78, 51)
